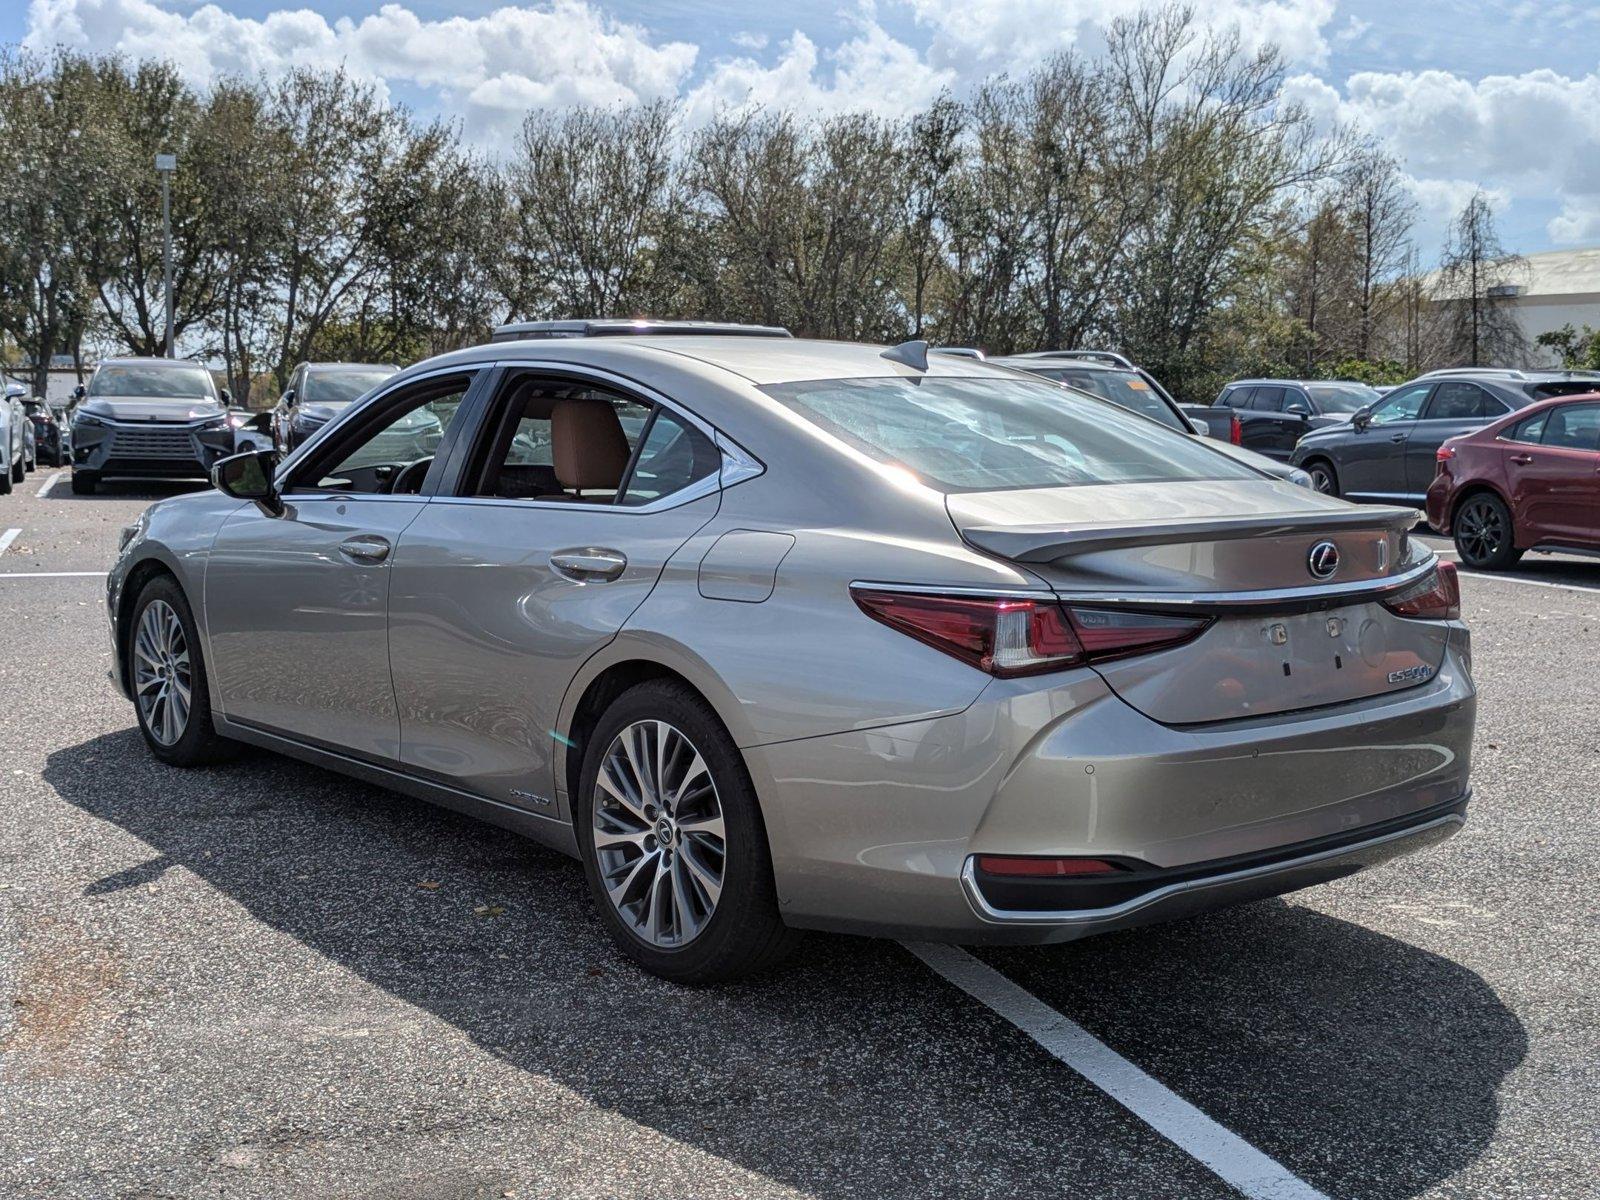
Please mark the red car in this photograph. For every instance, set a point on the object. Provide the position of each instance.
(1530, 481)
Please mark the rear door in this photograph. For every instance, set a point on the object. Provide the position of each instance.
(1456, 407)
(566, 509)
(1555, 480)
(1371, 462)
(1263, 429)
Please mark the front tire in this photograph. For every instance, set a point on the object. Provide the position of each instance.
(83, 483)
(19, 470)
(672, 840)
(1484, 534)
(167, 675)
(1324, 478)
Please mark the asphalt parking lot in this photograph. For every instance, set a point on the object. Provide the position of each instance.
(266, 980)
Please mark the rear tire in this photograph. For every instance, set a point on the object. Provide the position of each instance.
(5, 482)
(83, 483)
(1484, 534)
(695, 903)
(19, 470)
(1324, 478)
(167, 674)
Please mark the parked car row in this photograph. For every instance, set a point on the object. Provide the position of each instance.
(166, 418)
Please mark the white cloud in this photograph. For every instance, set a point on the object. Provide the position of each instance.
(1535, 135)
(498, 65)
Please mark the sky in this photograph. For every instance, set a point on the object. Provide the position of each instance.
(1498, 94)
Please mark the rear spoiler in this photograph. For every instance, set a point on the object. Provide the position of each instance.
(1046, 543)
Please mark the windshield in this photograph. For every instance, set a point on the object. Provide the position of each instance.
(1343, 397)
(341, 387)
(177, 382)
(988, 434)
(1125, 388)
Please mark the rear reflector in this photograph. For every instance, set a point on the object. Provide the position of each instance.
(1436, 597)
(1009, 637)
(995, 864)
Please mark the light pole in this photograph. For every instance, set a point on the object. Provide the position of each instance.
(166, 164)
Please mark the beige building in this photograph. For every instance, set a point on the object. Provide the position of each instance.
(1560, 287)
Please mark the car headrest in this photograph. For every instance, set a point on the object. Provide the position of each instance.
(587, 444)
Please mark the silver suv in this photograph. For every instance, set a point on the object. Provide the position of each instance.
(148, 417)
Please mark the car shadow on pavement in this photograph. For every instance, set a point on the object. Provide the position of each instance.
(1366, 1065)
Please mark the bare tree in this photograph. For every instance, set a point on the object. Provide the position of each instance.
(1381, 214)
(1483, 329)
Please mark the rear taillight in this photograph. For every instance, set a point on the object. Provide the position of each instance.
(1235, 429)
(1444, 454)
(1437, 597)
(1010, 636)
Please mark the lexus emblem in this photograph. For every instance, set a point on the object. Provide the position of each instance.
(1322, 560)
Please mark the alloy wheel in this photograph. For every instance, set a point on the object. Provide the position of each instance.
(162, 680)
(658, 832)
(1322, 480)
(1481, 531)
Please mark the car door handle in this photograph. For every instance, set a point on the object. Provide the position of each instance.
(1397, 437)
(1522, 460)
(591, 564)
(365, 547)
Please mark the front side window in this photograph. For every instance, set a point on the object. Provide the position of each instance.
(392, 454)
(1575, 427)
(154, 382)
(990, 433)
(1456, 401)
(1401, 405)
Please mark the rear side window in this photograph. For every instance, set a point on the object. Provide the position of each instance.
(991, 433)
(674, 455)
(1125, 388)
(1456, 401)
(1530, 430)
(1574, 427)
(1267, 399)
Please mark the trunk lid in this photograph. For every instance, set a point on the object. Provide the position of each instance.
(1281, 639)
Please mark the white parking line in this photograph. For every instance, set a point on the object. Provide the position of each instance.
(1570, 587)
(44, 488)
(1233, 1159)
(7, 538)
(52, 574)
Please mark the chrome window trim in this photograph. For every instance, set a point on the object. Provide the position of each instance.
(1094, 916)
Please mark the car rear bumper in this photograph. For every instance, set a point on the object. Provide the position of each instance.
(875, 831)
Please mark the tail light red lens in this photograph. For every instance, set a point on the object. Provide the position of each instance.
(1436, 597)
(1003, 864)
(1009, 636)
(1444, 454)
(1235, 429)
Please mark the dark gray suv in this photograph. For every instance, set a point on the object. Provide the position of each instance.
(1386, 450)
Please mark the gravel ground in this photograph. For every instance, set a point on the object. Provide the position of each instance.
(266, 980)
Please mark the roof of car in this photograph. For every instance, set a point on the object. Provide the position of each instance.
(760, 360)
(137, 360)
(350, 366)
(628, 327)
(1302, 382)
(1038, 362)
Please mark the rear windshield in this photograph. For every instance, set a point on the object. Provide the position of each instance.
(341, 387)
(1566, 387)
(1346, 398)
(986, 434)
(154, 382)
(1126, 388)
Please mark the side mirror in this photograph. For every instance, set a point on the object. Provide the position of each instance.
(248, 476)
(1361, 418)
(1298, 410)
(227, 396)
(79, 392)
(1198, 428)
(288, 397)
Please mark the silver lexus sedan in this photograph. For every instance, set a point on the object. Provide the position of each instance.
(776, 634)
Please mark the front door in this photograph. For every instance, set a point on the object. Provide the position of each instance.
(561, 524)
(297, 604)
(1372, 460)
